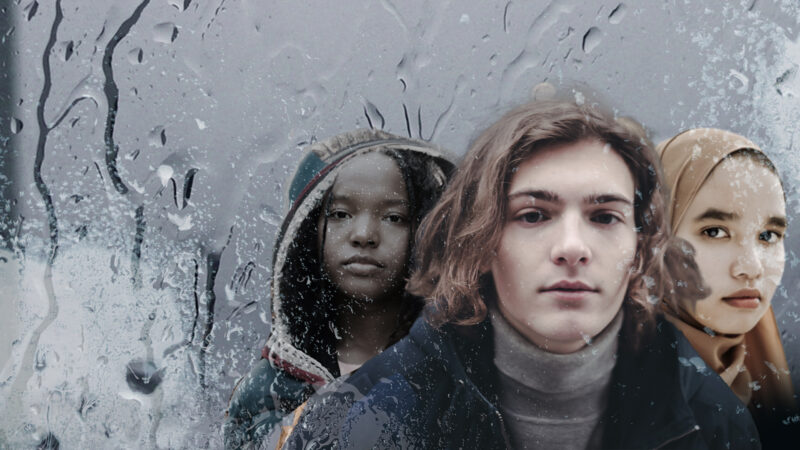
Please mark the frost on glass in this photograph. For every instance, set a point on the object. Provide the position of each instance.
(144, 147)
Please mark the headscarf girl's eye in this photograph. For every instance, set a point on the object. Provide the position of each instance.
(769, 236)
(715, 233)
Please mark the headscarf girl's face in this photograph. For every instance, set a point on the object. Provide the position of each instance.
(736, 224)
(366, 242)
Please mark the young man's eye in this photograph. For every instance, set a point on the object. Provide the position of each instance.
(532, 217)
(714, 233)
(769, 236)
(605, 219)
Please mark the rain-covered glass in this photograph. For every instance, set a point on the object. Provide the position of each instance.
(145, 147)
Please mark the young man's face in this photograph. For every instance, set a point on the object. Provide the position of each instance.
(368, 229)
(736, 224)
(562, 267)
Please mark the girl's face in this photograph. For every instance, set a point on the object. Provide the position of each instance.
(736, 225)
(562, 267)
(368, 229)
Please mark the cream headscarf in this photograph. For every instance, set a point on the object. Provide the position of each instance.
(688, 159)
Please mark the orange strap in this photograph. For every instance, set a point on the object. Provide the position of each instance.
(286, 430)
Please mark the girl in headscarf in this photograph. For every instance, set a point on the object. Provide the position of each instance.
(729, 205)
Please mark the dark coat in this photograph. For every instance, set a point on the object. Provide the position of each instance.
(436, 389)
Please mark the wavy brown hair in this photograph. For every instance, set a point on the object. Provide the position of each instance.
(460, 233)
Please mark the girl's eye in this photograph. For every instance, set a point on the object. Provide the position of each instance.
(715, 233)
(396, 218)
(770, 237)
(338, 214)
(605, 219)
(532, 217)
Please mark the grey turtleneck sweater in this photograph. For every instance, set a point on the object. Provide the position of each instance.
(551, 400)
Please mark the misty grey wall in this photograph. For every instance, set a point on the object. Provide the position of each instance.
(157, 137)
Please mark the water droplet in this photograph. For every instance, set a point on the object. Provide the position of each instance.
(493, 59)
(15, 125)
(166, 32)
(591, 39)
(617, 14)
(373, 115)
(164, 173)
(50, 442)
(133, 155)
(183, 223)
(180, 5)
(565, 34)
(269, 216)
(543, 91)
(40, 361)
(738, 81)
(136, 56)
(158, 136)
(143, 376)
(67, 49)
(783, 83)
(152, 316)
(31, 10)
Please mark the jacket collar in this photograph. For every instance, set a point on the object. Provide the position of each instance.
(648, 405)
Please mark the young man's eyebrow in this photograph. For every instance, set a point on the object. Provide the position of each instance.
(777, 221)
(548, 196)
(606, 198)
(716, 214)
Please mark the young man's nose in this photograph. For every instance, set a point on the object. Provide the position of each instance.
(570, 246)
(748, 264)
(365, 232)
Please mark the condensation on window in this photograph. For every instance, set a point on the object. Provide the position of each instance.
(145, 146)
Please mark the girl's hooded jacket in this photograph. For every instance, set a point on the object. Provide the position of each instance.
(300, 355)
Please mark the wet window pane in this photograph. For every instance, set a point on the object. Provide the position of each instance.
(145, 146)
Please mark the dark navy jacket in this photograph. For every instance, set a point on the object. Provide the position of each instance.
(436, 389)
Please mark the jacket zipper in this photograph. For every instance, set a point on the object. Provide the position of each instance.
(503, 428)
(680, 436)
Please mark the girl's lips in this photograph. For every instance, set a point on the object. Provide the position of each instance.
(744, 298)
(362, 265)
(743, 302)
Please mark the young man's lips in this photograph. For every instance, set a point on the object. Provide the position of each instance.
(568, 286)
(744, 298)
(569, 294)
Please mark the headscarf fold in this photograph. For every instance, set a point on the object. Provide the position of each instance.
(688, 159)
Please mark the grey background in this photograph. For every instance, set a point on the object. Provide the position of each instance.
(132, 265)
